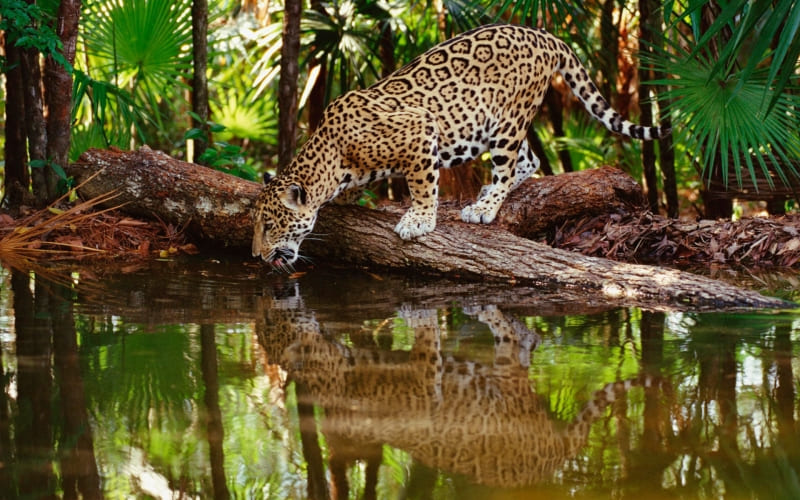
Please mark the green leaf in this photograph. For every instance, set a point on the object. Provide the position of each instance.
(194, 133)
(59, 171)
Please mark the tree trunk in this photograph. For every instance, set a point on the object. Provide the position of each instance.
(58, 94)
(218, 207)
(646, 11)
(16, 178)
(199, 79)
(287, 83)
(36, 128)
(317, 95)
(555, 111)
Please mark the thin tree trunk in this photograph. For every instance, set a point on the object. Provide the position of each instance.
(646, 11)
(667, 158)
(316, 97)
(287, 84)
(387, 46)
(16, 178)
(609, 35)
(556, 115)
(718, 205)
(36, 128)
(58, 94)
(199, 78)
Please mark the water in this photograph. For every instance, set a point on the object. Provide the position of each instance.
(194, 379)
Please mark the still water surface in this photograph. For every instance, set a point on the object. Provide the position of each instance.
(218, 380)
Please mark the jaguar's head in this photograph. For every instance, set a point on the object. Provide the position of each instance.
(283, 218)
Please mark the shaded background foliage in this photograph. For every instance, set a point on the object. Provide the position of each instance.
(724, 75)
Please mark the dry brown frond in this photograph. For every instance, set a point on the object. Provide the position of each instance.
(28, 237)
(65, 231)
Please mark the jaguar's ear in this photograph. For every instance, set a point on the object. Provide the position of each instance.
(294, 197)
(267, 177)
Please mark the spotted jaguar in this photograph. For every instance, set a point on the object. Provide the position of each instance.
(474, 93)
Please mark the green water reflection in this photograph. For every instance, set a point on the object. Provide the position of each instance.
(209, 380)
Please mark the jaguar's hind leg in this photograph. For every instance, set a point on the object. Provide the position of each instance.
(527, 165)
(505, 154)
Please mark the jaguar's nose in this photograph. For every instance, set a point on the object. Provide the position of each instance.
(283, 257)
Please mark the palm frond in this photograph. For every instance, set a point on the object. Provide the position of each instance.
(142, 45)
(752, 27)
(725, 120)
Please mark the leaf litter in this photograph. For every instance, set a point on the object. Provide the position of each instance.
(652, 238)
(81, 230)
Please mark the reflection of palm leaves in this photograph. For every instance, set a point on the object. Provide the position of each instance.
(144, 374)
(142, 41)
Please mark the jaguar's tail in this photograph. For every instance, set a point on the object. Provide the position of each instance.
(582, 86)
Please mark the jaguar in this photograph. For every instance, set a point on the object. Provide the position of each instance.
(475, 93)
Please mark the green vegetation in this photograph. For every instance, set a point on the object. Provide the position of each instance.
(726, 75)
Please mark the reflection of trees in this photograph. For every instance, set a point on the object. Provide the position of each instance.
(78, 465)
(34, 422)
(722, 419)
(721, 431)
(214, 430)
(45, 336)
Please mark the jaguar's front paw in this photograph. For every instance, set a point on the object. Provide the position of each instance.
(412, 225)
(478, 213)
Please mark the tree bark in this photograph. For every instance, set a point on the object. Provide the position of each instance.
(646, 10)
(16, 178)
(218, 207)
(287, 83)
(315, 105)
(58, 94)
(36, 128)
(199, 79)
(548, 202)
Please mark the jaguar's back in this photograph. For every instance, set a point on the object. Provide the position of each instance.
(488, 83)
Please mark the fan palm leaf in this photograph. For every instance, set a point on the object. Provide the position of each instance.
(726, 121)
(345, 39)
(141, 44)
(755, 26)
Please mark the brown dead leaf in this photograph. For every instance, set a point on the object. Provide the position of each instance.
(127, 221)
(189, 249)
(76, 244)
(792, 245)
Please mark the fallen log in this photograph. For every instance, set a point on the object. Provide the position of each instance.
(217, 207)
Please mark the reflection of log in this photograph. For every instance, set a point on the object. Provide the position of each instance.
(217, 207)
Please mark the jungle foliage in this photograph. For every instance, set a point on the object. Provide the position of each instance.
(726, 73)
